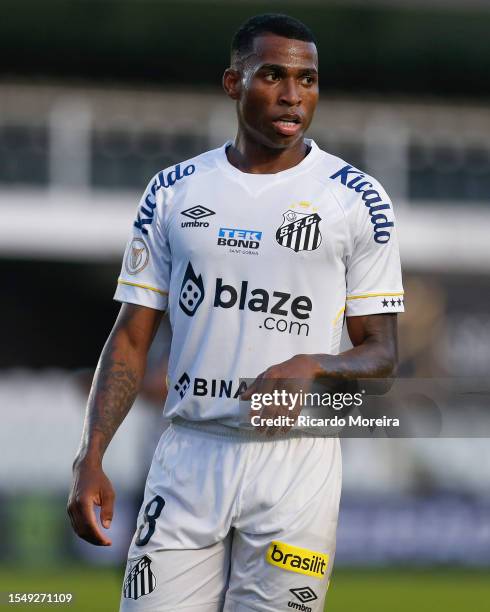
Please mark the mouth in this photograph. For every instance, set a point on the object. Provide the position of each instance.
(288, 125)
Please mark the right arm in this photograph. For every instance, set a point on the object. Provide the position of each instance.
(116, 383)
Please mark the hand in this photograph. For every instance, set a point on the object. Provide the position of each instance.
(90, 486)
(283, 379)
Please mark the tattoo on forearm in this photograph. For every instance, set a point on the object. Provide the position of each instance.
(117, 379)
(116, 389)
(113, 392)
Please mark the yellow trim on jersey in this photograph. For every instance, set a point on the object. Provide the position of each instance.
(369, 295)
(141, 286)
(340, 312)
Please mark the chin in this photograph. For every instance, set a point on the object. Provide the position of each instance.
(272, 139)
(278, 141)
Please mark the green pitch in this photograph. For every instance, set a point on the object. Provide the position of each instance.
(409, 590)
(403, 590)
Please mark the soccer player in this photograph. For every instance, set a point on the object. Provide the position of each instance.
(257, 250)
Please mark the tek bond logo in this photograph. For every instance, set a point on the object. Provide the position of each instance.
(236, 237)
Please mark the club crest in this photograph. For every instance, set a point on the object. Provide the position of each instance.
(299, 231)
(140, 580)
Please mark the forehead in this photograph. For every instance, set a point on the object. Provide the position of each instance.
(273, 49)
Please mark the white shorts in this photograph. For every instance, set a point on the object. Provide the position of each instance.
(234, 524)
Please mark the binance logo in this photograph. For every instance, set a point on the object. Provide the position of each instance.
(299, 560)
(182, 385)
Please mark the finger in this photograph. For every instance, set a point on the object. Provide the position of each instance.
(269, 412)
(287, 417)
(72, 519)
(107, 507)
(256, 389)
(286, 428)
(274, 409)
(282, 427)
(293, 414)
(247, 394)
(87, 527)
(72, 513)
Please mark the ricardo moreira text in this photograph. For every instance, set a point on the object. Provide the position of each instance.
(284, 399)
(336, 401)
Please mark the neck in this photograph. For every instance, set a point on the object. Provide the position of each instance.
(255, 158)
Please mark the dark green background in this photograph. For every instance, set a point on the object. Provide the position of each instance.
(373, 50)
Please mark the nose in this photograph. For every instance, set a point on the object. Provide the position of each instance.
(290, 93)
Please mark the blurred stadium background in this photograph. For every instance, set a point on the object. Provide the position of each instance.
(95, 97)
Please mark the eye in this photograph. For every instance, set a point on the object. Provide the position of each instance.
(308, 79)
(272, 76)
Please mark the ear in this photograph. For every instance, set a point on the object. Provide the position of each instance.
(232, 83)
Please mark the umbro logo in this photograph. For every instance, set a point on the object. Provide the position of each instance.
(304, 595)
(195, 213)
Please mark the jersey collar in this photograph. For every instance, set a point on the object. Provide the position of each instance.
(257, 181)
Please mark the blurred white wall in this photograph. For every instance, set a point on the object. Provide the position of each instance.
(42, 418)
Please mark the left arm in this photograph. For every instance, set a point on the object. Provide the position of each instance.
(375, 351)
(374, 355)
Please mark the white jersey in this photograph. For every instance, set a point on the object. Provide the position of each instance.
(256, 268)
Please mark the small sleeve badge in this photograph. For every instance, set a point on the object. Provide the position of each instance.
(137, 257)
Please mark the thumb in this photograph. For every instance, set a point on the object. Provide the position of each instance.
(107, 508)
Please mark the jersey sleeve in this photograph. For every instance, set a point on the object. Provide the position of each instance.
(146, 267)
(373, 278)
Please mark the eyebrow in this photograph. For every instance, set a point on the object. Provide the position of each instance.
(282, 69)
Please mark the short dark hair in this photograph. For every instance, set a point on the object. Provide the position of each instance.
(268, 23)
